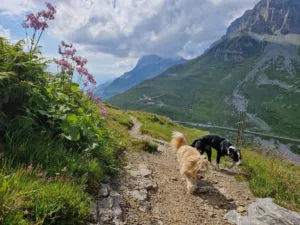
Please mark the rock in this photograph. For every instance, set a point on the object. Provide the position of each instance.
(148, 184)
(232, 216)
(211, 214)
(145, 207)
(139, 195)
(117, 222)
(117, 212)
(106, 179)
(116, 198)
(106, 203)
(240, 209)
(155, 210)
(173, 179)
(134, 173)
(104, 190)
(214, 181)
(264, 212)
(203, 189)
(144, 171)
(105, 215)
(157, 222)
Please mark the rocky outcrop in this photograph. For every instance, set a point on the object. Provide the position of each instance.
(269, 17)
(107, 210)
(264, 212)
(138, 185)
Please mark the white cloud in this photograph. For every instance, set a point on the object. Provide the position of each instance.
(113, 38)
(138, 27)
(17, 7)
(4, 32)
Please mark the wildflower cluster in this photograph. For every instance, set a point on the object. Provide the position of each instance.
(70, 62)
(38, 22)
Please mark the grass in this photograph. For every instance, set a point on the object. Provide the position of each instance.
(27, 196)
(161, 127)
(271, 177)
(43, 181)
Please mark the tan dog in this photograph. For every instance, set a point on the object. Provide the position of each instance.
(192, 165)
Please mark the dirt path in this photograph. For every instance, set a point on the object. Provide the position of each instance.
(169, 203)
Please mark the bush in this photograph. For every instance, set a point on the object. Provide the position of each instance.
(48, 123)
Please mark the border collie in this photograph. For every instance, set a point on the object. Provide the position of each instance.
(222, 145)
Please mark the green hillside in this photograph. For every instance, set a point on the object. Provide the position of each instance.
(202, 90)
(249, 69)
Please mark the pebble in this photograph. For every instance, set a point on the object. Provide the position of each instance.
(173, 178)
(241, 209)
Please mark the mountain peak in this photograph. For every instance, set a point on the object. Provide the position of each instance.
(147, 67)
(269, 17)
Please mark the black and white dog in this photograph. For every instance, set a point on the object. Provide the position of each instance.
(222, 145)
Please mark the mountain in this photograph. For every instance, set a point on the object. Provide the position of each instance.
(147, 67)
(254, 67)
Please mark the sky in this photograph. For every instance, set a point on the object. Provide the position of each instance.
(114, 34)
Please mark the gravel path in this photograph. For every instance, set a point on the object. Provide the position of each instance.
(169, 203)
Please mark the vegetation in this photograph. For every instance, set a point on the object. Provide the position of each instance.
(161, 127)
(55, 143)
(271, 177)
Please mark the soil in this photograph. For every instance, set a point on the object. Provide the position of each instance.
(171, 204)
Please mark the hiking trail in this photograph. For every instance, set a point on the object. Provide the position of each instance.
(154, 193)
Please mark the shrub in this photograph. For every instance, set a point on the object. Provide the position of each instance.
(48, 123)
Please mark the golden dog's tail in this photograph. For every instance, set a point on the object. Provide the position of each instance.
(178, 140)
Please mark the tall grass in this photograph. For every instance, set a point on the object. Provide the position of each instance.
(27, 196)
(271, 177)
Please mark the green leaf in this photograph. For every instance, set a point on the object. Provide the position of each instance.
(72, 119)
(21, 122)
(73, 134)
(75, 88)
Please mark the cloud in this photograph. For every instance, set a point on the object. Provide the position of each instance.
(113, 37)
(17, 7)
(4, 32)
(138, 27)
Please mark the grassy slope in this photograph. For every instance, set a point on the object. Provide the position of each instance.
(202, 91)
